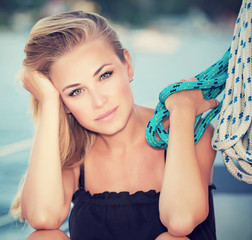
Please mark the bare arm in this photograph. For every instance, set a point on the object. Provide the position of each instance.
(47, 190)
(184, 194)
(48, 235)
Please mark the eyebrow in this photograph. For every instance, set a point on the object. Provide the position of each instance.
(77, 84)
(100, 68)
(70, 86)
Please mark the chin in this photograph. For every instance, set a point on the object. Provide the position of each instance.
(113, 129)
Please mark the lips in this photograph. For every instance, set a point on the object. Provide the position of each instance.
(106, 116)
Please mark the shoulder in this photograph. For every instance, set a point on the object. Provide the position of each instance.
(71, 177)
(205, 153)
(205, 140)
(145, 111)
(204, 147)
(148, 114)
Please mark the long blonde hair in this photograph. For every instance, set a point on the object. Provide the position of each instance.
(49, 39)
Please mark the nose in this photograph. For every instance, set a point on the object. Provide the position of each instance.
(98, 98)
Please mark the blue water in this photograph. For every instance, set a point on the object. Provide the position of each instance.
(190, 50)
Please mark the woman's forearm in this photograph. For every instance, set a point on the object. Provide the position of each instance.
(43, 193)
(183, 198)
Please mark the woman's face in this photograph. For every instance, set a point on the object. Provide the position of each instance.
(94, 85)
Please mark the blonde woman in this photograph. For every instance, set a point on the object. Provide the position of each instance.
(90, 148)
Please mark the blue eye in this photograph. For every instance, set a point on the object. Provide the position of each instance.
(75, 92)
(106, 75)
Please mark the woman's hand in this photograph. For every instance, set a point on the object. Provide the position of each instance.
(38, 85)
(191, 100)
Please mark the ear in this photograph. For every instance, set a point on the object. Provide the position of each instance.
(128, 64)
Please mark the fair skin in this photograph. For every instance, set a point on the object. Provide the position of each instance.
(96, 90)
(48, 235)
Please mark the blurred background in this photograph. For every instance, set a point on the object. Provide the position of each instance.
(168, 41)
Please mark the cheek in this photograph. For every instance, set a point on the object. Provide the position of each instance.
(83, 117)
(79, 110)
(127, 93)
(123, 90)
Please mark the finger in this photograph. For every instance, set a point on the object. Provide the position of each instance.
(213, 103)
(192, 79)
(183, 80)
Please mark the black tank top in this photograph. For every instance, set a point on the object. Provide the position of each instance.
(124, 216)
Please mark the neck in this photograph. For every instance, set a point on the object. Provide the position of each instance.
(130, 135)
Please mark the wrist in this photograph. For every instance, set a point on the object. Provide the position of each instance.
(183, 111)
(182, 118)
(51, 101)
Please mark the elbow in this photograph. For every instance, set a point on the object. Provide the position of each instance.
(44, 224)
(178, 226)
(44, 218)
(42, 221)
(182, 224)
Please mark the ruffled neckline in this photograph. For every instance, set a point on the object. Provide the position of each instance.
(124, 196)
(107, 194)
(116, 198)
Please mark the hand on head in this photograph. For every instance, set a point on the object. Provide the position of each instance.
(38, 85)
